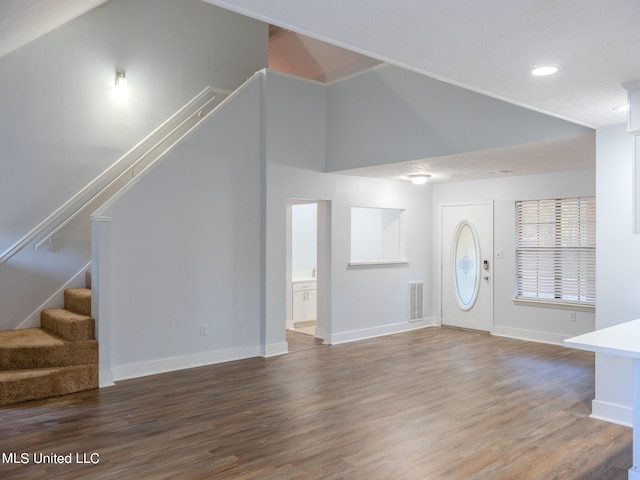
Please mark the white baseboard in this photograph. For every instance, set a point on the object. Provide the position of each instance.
(105, 378)
(274, 349)
(56, 300)
(354, 335)
(609, 412)
(531, 335)
(321, 333)
(163, 365)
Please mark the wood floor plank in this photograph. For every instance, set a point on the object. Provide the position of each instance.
(435, 403)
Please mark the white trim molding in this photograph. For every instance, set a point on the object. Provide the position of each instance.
(354, 335)
(275, 349)
(183, 362)
(530, 335)
(609, 412)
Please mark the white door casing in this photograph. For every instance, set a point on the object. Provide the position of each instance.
(466, 239)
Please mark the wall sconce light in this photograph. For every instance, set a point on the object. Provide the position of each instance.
(419, 179)
(120, 88)
(121, 81)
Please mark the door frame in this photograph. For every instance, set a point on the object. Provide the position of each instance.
(441, 207)
(323, 254)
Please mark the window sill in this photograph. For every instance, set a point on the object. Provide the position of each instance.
(530, 302)
(385, 262)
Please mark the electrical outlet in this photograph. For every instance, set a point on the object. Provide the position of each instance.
(572, 316)
(203, 330)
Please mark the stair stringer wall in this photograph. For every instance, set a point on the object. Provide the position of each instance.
(182, 247)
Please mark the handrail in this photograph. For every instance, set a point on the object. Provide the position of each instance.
(138, 156)
(134, 169)
(99, 212)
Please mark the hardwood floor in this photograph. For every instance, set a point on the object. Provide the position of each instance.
(300, 341)
(429, 404)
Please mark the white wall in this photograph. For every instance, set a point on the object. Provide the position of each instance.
(185, 249)
(60, 126)
(304, 239)
(364, 301)
(531, 323)
(617, 257)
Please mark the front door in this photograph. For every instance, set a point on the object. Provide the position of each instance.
(467, 265)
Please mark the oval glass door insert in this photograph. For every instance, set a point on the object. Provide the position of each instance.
(466, 267)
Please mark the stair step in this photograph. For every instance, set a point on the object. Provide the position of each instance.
(68, 325)
(37, 348)
(87, 279)
(78, 300)
(21, 385)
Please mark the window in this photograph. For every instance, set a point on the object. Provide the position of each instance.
(556, 250)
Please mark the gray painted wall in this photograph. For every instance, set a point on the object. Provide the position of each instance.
(60, 126)
(185, 249)
(390, 115)
(296, 122)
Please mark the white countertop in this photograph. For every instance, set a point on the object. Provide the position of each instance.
(303, 280)
(622, 339)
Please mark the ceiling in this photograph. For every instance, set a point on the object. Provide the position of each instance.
(22, 21)
(540, 157)
(306, 57)
(488, 47)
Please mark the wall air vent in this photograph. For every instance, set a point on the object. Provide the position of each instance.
(416, 301)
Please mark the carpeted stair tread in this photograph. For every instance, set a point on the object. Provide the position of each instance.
(58, 358)
(37, 348)
(68, 325)
(21, 385)
(28, 337)
(78, 300)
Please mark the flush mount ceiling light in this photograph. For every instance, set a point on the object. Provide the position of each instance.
(419, 178)
(544, 70)
(621, 108)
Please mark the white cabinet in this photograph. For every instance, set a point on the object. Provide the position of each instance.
(304, 302)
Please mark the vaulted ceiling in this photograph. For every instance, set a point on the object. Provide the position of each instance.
(488, 47)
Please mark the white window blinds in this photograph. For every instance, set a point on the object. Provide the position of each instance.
(556, 250)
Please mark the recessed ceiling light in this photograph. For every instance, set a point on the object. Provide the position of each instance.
(544, 70)
(621, 108)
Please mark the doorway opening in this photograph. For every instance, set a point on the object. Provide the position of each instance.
(306, 312)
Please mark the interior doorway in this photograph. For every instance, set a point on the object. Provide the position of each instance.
(304, 267)
(307, 273)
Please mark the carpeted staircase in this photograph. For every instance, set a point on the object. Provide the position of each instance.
(58, 358)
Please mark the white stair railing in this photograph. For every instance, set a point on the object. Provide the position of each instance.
(122, 171)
